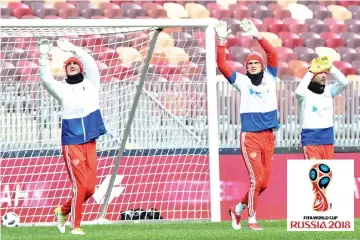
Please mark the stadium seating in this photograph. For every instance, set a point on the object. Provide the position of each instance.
(299, 30)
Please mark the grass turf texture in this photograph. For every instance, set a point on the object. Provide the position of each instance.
(176, 230)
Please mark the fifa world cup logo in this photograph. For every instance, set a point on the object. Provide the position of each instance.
(320, 176)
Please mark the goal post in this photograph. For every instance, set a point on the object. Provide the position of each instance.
(158, 100)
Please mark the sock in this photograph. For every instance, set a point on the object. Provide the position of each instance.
(239, 208)
(252, 219)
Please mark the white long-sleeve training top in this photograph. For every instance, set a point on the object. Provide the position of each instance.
(81, 117)
(317, 111)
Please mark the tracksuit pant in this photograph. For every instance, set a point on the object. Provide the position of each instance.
(257, 149)
(81, 164)
(323, 152)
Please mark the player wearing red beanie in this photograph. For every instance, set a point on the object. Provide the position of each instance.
(82, 124)
(258, 114)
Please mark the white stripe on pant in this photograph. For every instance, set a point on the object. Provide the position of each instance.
(252, 176)
(73, 179)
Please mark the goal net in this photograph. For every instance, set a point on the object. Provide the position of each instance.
(162, 146)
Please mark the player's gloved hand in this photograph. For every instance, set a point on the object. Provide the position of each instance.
(315, 66)
(249, 29)
(44, 46)
(65, 45)
(222, 31)
(325, 63)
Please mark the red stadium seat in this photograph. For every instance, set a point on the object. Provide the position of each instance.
(281, 50)
(331, 21)
(282, 13)
(212, 6)
(298, 28)
(91, 41)
(238, 67)
(260, 25)
(33, 53)
(286, 57)
(107, 55)
(220, 13)
(274, 6)
(15, 5)
(338, 28)
(25, 43)
(110, 10)
(232, 41)
(20, 12)
(269, 20)
(25, 67)
(241, 13)
(200, 37)
(68, 12)
(190, 68)
(246, 42)
(156, 13)
(347, 3)
(283, 69)
(121, 70)
(291, 40)
(335, 43)
(345, 67)
(168, 69)
(151, 5)
(329, 35)
(291, 21)
(277, 28)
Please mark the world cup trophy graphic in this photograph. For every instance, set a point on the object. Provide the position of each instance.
(320, 175)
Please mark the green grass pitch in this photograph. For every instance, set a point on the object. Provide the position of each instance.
(176, 230)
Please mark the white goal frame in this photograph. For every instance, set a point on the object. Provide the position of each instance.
(208, 24)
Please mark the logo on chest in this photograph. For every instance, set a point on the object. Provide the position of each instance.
(258, 93)
(320, 107)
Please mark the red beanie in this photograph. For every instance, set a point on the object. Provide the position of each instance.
(315, 74)
(74, 59)
(255, 56)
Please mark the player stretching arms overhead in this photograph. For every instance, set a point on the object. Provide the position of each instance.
(316, 108)
(82, 124)
(258, 114)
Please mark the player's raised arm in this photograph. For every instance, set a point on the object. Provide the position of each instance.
(51, 85)
(223, 33)
(250, 29)
(341, 82)
(90, 68)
